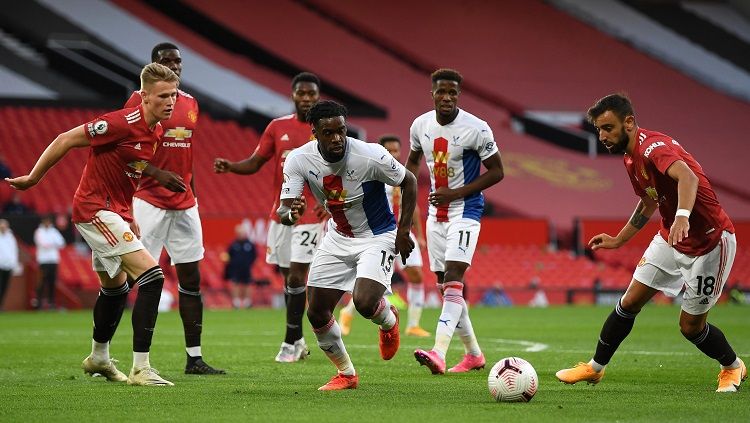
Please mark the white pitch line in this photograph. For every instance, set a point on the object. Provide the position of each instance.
(529, 345)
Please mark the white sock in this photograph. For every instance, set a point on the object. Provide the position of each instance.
(100, 351)
(415, 298)
(734, 365)
(349, 307)
(140, 360)
(596, 366)
(329, 340)
(453, 304)
(194, 351)
(465, 331)
(384, 316)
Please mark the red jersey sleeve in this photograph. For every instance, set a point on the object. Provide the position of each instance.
(267, 145)
(661, 153)
(107, 128)
(133, 101)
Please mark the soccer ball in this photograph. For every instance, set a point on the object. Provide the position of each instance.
(512, 379)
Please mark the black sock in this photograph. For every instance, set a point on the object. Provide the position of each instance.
(191, 312)
(108, 310)
(146, 308)
(616, 328)
(295, 310)
(712, 342)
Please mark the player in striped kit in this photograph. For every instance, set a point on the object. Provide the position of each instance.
(454, 143)
(348, 177)
(413, 265)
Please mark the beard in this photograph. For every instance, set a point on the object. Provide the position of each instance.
(621, 145)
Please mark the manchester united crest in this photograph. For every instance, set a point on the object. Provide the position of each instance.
(193, 116)
(127, 236)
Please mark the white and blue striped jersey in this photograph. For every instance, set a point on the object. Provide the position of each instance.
(454, 155)
(352, 189)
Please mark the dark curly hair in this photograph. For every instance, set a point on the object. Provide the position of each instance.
(388, 138)
(618, 103)
(306, 77)
(447, 75)
(325, 109)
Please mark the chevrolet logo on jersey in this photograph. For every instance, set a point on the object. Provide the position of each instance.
(440, 156)
(336, 195)
(179, 133)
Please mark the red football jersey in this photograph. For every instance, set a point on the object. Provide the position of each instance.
(283, 135)
(175, 153)
(121, 146)
(647, 169)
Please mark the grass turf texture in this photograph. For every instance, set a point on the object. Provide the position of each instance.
(656, 376)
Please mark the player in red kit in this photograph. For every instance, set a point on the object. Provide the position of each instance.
(695, 246)
(166, 207)
(289, 247)
(122, 143)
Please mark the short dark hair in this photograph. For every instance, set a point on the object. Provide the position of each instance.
(447, 75)
(388, 138)
(324, 110)
(618, 103)
(306, 77)
(159, 47)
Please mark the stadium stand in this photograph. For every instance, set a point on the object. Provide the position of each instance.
(553, 62)
(525, 57)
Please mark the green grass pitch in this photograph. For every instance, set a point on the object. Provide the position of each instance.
(655, 376)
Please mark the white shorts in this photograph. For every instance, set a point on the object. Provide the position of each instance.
(109, 237)
(414, 259)
(340, 260)
(666, 269)
(296, 243)
(451, 241)
(179, 231)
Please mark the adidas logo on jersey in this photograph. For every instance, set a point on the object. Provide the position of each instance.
(137, 146)
(284, 137)
(704, 301)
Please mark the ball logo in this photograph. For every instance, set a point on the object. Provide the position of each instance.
(127, 236)
(100, 127)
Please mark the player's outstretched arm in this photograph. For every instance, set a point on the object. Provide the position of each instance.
(687, 189)
(248, 166)
(404, 244)
(74, 138)
(642, 213)
(166, 178)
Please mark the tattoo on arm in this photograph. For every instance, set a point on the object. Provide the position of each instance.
(638, 219)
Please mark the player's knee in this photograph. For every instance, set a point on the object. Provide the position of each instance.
(189, 276)
(365, 304)
(630, 306)
(295, 280)
(415, 276)
(318, 318)
(691, 328)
